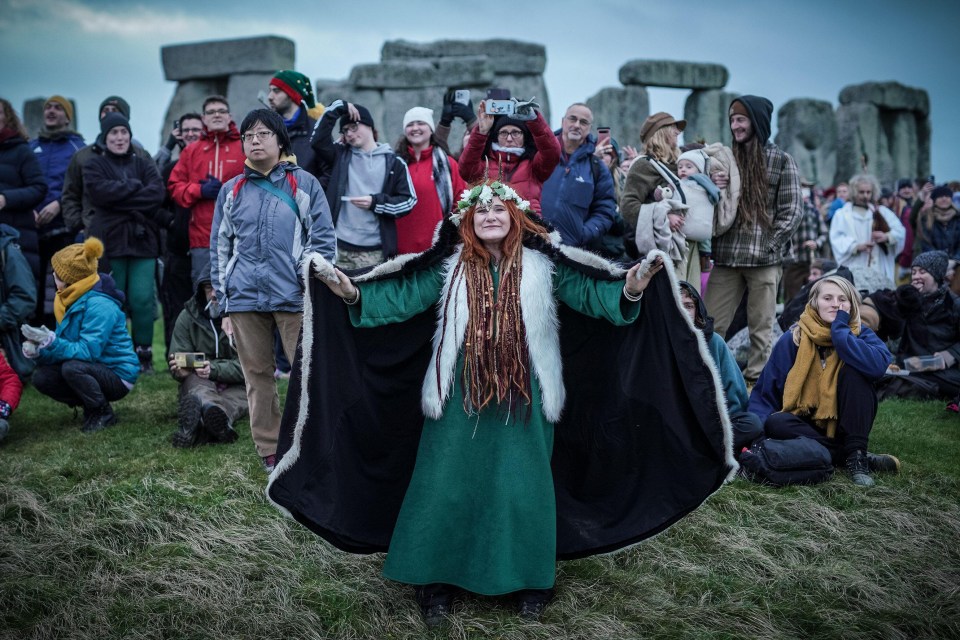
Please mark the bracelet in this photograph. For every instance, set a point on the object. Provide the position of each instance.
(357, 299)
(630, 297)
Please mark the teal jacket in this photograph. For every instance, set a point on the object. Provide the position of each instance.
(734, 387)
(94, 329)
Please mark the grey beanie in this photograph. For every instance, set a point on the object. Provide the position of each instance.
(934, 263)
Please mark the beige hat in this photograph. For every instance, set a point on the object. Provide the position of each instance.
(658, 121)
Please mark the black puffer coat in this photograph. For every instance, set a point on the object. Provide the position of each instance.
(23, 185)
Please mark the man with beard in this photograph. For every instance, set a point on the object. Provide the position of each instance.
(749, 255)
(54, 147)
(291, 95)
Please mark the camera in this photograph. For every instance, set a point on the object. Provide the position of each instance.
(196, 360)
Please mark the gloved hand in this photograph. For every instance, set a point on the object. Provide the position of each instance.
(909, 300)
(39, 335)
(210, 187)
(525, 109)
(30, 350)
(453, 109)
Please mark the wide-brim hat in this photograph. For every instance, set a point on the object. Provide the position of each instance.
(658, 121)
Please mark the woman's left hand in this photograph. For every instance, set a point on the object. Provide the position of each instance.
(636, 284)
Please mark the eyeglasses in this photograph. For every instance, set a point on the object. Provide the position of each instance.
(513, 133)
(259, 135)
(575, 119)
(350, 128)
(216, 112)
(192, 130)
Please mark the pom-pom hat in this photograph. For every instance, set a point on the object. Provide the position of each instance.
(77, 261)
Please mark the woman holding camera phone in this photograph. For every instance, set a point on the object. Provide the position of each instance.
(519, 149)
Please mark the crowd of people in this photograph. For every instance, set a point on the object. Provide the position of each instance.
(231, 226)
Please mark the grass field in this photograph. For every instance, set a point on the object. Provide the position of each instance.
(118, 535)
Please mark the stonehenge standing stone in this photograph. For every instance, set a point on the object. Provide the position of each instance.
(623, 109)
(807, 130)
(237, 69)
(888, 124)
(706, 114)
(673, 73)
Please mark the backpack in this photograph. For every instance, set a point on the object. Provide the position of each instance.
(783, 462)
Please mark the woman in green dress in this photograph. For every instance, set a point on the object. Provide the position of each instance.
(480, 511)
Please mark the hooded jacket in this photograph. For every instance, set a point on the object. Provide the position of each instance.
(54, 150)
(578, 208)
(258, 243)
(195, 331)
(525, 174)
(218, 154)
(23, 185)
(94, 329)
(300, 132)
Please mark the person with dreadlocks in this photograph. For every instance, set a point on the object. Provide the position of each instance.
(476, 410)
(749, 255)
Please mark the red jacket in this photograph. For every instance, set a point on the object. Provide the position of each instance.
(415, 230)
(10, 386)
(525, 176)
(218, 154)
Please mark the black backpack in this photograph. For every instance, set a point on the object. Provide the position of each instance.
(783, 462)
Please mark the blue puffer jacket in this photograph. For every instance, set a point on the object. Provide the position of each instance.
(579, 209)
(54, 151)
(258, 242)
(94, 329)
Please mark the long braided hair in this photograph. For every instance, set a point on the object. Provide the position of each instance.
(496, 360)
(752, 162)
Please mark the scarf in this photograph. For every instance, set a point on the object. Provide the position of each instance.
(810, 390)
(71, 294)
(441, 178)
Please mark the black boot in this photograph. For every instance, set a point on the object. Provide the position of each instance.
(858, 467)
(145, 356)
(217, 424)
(188, 422)
(99, 418)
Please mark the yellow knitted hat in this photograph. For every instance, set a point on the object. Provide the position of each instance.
(77, 261)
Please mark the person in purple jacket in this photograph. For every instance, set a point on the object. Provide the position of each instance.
(819, 380)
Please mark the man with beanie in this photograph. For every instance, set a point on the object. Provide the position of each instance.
(212, 392)
(89, 360)
(368, 188)
(76, 218)
(202, 169)
(748, 256)
(931, 317)
(291, 95)
(54, 147)
(577, 198)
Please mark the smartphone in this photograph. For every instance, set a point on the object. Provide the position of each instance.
(931, 179)
(603, 135)
(462, 96)
(495, 93)
(176, 125)
(499, 107)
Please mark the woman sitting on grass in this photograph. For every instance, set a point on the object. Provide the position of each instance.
(89, 361)
(819, 380)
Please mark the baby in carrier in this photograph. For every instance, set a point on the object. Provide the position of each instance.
(701, 194)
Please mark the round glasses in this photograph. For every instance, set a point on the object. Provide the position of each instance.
(514, 133)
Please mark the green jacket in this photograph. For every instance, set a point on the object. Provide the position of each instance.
(195, 332)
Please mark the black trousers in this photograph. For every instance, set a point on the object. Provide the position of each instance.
(856, 410)
(746, 428)
(175, 289)
(78, 383)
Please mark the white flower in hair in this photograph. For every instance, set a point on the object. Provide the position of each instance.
(465, 195)
(486, 194)
(524, 205)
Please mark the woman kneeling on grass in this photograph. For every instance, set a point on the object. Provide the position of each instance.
(89, 361)
(819, 381)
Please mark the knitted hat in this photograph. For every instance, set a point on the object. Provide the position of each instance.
(77, 261)
(111, 120)
(697, 157)
(934, 263)
(421, 114)
(904, 182)
(943, 191)
(64, 103)
(118, 102)
(658, 121)
(759, 110)
(365, 117)
(296, 85)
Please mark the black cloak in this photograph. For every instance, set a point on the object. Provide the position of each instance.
(643, 440)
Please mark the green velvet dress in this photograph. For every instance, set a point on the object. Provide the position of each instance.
(480, 511)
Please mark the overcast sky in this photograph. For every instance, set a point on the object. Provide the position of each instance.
(88, 49)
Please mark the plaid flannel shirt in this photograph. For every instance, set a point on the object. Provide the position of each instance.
(812, 227)
(754, 246)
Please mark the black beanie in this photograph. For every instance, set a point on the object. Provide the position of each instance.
(118, 102)
(365, 117)
(760, 111)
(111, 120)
(943, 191)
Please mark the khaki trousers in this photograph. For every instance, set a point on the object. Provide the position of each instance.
(727, 285)
(232, 399)
(253, 334)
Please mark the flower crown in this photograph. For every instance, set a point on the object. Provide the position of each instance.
(484, 193)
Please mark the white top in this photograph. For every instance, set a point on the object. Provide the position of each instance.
(853, 226)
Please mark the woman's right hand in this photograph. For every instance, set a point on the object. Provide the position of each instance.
(484, 119)
(343, 287)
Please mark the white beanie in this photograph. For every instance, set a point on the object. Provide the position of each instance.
(697, 157)
(419, 113)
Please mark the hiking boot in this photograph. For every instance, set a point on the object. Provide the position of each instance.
(859, 469)
(145, 356)
(435, 615)
(99, 418)
(188, 422)
(217, 424)
(269, 462)
(883, 463)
